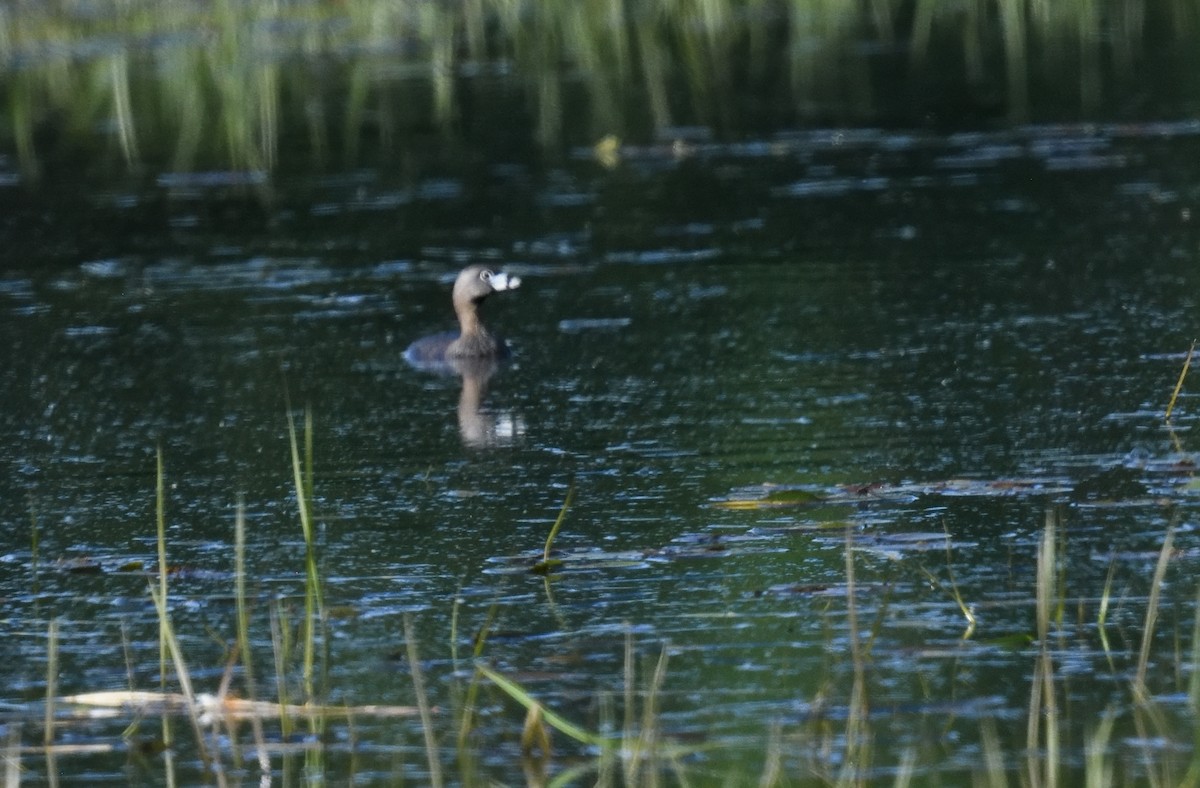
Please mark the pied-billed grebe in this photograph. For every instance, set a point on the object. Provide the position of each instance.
(472, 341)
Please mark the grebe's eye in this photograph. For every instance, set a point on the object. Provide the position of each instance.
(485, 275)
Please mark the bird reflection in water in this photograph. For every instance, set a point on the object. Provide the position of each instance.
(474, 354)
(478, 427)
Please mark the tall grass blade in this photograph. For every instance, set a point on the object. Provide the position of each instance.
(308, 455)
(649, 736)
(123, 106)
(1102, 615)
(414, 666)
(1098, 768)
(1160, 571)
(184, 678)
(1194, 679)
(904, 772)
(535, 739)
(314, 608)
(467, 722)
(1047, 560)
(1053, 725)
(51, 683)
(858, 734)
(994, 775)
(1043, 707)
(628, 729)
(1187, 362)
(12, 757)
(280, 649)
(33, 541)
(168, 645)
(298, 474)
(521, 696)
(772, 773)
(243, 634)
(968, 614)
(562, 515)
(160, 525)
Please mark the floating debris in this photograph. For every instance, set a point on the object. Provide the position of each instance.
(213, 708)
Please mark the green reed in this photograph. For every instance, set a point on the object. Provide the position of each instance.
(228, 84)
(1187, 363)
(847, 749)
(33, 542)
(51, 682)
(48, 723)
(12, 756)
(314, 608)
(244, 646)
(169, 648)
(160, 524)
(1151, 621)
(418, 679)
(858, 735)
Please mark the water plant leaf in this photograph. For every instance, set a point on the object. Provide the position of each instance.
(608, 151)
(546, 566)
(1187, 363)
(775, 498)
(1015, 641)
(518, 693)
(534, 736)
(562, 515)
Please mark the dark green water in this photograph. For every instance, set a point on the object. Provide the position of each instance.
(990, 323)
(931, 328)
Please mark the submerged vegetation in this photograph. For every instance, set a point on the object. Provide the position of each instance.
(250, 86)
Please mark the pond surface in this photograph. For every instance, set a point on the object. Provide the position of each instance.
(743, 362)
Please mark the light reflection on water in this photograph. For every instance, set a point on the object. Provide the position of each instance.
(657, 390)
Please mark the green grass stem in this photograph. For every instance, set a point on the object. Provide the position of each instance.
(1102, 615)
(280, 649)
(968, 614)
(167, 633)
(562, 515)
(629, 672)
(470, 700)
(546, 564)
(1047, 576)
(243, 634)
(994, 775)
(314, 608)
(300, 475)
(160, 527)
(418, 680)
(560, 724)
(1160, 570)
(649, 735)
(168, 644)
(33, 540)
(857, 753)
(1194, 678)
(51, 682)
(12, 756)
(1098, 766)
(1043, 724)
(1187, 363)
